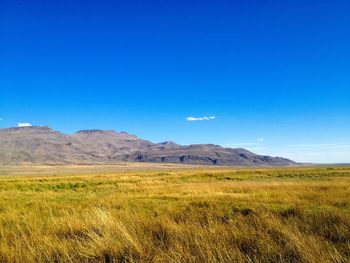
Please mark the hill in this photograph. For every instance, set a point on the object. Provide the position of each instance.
(41, 144)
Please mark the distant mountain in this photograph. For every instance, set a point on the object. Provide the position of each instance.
(42, 145)
(110, 143)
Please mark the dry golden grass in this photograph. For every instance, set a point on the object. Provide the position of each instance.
(174, 214)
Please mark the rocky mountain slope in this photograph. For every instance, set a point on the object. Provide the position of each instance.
(42, 145)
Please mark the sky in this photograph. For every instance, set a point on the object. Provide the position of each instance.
(269, 76)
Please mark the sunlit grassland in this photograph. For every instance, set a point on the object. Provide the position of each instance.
(174, 214)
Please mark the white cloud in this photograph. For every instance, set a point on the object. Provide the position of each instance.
(24, 124)
(200, 118)
(260, 139)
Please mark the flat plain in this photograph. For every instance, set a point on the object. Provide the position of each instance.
(172, 213)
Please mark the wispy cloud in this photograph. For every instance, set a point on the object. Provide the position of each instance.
(0, 119)
(260, 139)
(205, 118)
(322, 146)
(315, 145)
(340, 146)
(23, 124)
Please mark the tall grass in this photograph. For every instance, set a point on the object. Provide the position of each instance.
(184, 215)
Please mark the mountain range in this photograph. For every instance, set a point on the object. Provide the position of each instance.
(43, 145)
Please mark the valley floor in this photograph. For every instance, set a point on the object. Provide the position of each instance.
(170, 213)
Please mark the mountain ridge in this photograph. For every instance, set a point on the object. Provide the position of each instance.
(43, 145)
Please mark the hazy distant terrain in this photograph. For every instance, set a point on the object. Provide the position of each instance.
(42, 145)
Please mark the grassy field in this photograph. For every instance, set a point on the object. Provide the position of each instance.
(145, 213)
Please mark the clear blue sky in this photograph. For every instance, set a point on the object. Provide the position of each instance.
(275, 74)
